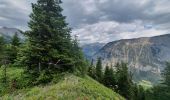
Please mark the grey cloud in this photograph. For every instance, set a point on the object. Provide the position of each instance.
(14, 13)
(80, 12)
(99, 20)
(135, 18)
(123, 11)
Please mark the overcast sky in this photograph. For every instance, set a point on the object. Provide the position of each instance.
(99, 20)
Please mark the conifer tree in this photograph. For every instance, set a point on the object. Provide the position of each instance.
(166, 75)
(163, 90)
(13, 47)
(99, 73)
(92, 70)
(4, 60)
(1, 46)
(124, 81)
(141, 93)
(49, 46)
(79, 60)
(15, 40)
(2, 43)
(108, 78)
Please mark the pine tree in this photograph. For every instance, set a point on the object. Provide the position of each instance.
(99, 73)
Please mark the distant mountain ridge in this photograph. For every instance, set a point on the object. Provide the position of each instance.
(7, 33)
(90, 49)
(146, 57)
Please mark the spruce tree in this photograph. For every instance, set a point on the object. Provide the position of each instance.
(79, 60)
(49, 46)
(15, 40)
(164, 88)
(109, 78)
(2, 43)
(13, 48)
(1, 47)
(99, 72)
(124, 81)
(92, 70)
(141, 93)
(166, 76)
(4, 60)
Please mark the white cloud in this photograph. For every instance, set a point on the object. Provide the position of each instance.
(108, 31)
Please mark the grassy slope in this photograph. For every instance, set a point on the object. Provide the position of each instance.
(145, 84)
(70, 88)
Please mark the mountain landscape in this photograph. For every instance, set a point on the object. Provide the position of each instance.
(146, 57)
(52, 59)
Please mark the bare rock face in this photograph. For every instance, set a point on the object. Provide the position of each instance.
(146, 57)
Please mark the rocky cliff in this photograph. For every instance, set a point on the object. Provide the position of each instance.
(146, 57)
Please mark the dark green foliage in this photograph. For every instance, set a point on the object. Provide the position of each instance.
(135, 92)
(99, 73)
(49, 48)
(157, 93)
(4, 63)
(162, 91)
(126, 87)
(9, 50)
(92, 70)
(15, 40)
(118, 79)
(141, 92)
(4, 57)
(166, 76)
(109, 78)
(80, 65)
(13, 48)
(1, 43)
(124, 81)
